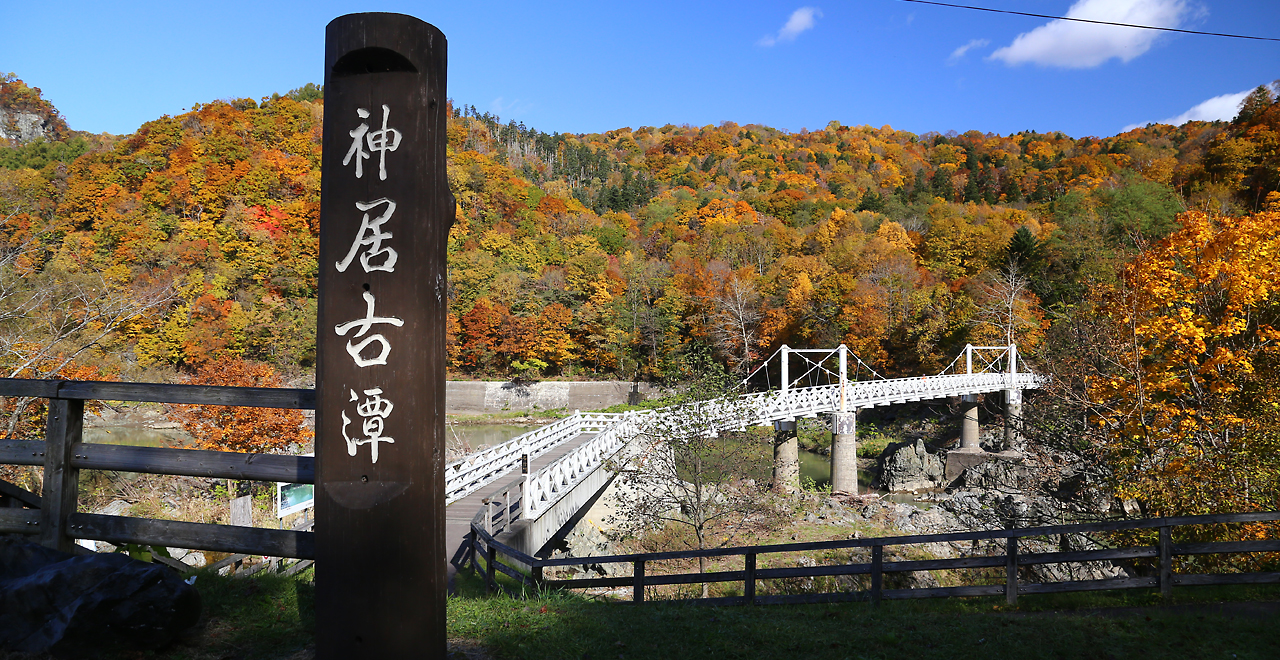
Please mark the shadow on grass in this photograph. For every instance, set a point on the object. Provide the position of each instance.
(262, 617)
(562, 625)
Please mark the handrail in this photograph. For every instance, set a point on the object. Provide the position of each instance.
(471, 473)
(218, 395)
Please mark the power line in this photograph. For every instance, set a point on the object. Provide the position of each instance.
(1087, 20)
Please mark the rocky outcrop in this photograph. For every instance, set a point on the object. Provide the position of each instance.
(23, 127)
(588, 540)
(85, 606)
(998, 475)
(911, 467)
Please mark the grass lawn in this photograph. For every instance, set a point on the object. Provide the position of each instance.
(270, 617)
(1059, 626)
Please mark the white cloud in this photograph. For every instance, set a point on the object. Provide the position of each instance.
(502, 107)
(1224, 107)
(802, 19)
(959, 52)
(1074, 45)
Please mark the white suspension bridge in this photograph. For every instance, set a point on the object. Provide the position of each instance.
(560, 467)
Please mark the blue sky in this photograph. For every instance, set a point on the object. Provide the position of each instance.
(589, 66)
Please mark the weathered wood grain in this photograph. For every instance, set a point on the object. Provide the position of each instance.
(21, 452)
(195, 536)
(226, 561)
(1089, 585)
(1104, 554)
(194, 463)
(21, 495)
(63, 427)
(1225, 578)
(251, 397)
(1271, 545)
(19, 521)
(298, 567)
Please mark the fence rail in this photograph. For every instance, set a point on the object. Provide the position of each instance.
(53, 518)
(496, 553)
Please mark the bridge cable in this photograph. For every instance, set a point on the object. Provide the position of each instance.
(1090, 20)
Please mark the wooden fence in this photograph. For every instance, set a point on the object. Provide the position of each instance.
(53, 518)
(491, 519)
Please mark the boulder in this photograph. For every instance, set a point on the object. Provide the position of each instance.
(1000, 475)
(911, 467)
(77, 606)
(587, 540)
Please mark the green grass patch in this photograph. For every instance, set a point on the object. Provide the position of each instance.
(262, 617)
(572, 626)
(270, 617)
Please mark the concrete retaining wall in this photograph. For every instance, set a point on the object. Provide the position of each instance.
(462, 396)
(532, 536)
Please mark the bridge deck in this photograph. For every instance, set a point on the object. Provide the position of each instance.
(458, 516)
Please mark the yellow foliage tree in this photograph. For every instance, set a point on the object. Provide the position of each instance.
(1190, 416)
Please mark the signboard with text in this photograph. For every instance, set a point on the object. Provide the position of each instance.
(384, 220)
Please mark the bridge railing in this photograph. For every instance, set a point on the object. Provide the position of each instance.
(62, 453)
(760, 408)
(473, 472)
(810, 401)
(1011, 560)
(546, 487)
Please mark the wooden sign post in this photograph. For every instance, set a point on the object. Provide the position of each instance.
(385, 214)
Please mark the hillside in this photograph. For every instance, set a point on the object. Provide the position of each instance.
(619, 254)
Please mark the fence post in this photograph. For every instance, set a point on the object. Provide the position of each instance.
(637, 581)
(61, 481)
(1011, 570)
(490, 569)
(1166, 562)
(877, 572)
(749, 585)
(488, 516)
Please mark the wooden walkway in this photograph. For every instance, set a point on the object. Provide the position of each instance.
(458, 516)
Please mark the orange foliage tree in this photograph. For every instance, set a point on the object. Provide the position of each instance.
(1189, 416)
(235, 428)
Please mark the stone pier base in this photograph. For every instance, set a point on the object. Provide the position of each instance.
(844, 453)
(786, 457)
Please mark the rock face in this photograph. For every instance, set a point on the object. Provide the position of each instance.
(586, 540)
(22, 127)
(911, 467)
(77, 606)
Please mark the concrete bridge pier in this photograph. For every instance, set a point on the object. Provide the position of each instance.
(970, 451)
(786, 457)
(1012, 417)
(844, 453)
(969, 428)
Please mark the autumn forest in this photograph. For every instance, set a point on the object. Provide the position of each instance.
(633, 253)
